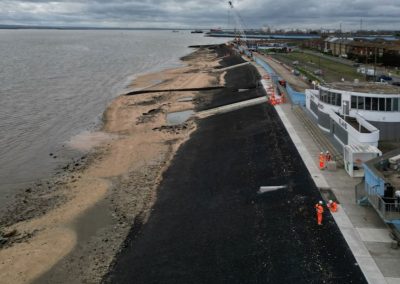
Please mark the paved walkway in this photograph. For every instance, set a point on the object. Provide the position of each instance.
(365, 233)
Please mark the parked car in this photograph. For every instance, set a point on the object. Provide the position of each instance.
(384, 78)
(318, 72)
(296, 72)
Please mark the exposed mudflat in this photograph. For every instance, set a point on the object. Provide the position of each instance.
(68, 229)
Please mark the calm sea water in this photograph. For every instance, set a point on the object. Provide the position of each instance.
(57, 84)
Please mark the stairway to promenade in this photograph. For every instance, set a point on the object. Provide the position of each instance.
(322, 141)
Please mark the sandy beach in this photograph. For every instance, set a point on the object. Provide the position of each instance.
(68, 229)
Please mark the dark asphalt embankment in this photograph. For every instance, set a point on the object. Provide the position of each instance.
(209, 225)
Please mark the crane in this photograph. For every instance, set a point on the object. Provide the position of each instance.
(239, 23)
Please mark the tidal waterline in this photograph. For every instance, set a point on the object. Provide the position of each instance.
(56, 84)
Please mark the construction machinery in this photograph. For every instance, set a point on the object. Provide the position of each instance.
(240, 35)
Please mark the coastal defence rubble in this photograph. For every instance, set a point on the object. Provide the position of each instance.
(67, 229)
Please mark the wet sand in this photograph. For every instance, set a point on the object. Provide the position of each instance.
(68, 229)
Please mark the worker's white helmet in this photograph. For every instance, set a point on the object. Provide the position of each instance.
(330, 201)
(322, 153)
(327, 152)
(320, 202)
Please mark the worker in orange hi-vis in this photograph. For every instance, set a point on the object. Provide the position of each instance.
(328, 156)
(332, 205)
(320, 211)
(321, 161)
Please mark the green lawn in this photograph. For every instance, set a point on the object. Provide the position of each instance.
(332, 71)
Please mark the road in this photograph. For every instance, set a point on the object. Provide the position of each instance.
(348, 62)
(209, 224)
(295, 81)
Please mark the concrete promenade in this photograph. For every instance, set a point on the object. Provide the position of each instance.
(363, 230)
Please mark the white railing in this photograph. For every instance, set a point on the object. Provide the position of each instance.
(355, 136)
(361, 120)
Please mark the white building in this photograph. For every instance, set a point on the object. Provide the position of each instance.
(357, 113)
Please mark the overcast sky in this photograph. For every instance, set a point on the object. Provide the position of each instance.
(382, 14)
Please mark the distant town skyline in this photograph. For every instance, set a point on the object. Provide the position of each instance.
(313, 14)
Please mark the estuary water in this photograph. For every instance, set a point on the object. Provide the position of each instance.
(56, 84)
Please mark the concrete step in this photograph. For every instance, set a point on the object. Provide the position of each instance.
(318, 136)
(232, 107)
(230, 67)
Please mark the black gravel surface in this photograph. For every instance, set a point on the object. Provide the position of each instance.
(209, 224)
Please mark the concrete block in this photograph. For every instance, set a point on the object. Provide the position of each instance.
(331, 166)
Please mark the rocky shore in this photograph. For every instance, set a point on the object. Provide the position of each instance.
(68, 229)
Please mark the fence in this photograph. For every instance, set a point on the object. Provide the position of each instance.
(297, 98)
(387, 208)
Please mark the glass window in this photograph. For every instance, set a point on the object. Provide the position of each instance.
(374, 103)
(382, 104)
(395, 104)
(338, 99)
(323, 96)
(388, 104)
(360, 103)
(368, 103)
(353, 102)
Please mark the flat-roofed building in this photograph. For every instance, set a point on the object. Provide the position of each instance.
(357, 113)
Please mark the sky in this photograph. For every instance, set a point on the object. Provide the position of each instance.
(276, 14)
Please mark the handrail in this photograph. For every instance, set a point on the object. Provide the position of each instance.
(361, 120)
(387, 210)
(334, 114)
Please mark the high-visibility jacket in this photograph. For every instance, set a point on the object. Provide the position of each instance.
(333, 206)
(321, 161)
(319, 208)
(328, 157)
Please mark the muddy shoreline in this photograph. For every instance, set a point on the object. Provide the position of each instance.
(67, 229)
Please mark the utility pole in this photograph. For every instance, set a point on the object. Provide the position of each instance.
(319, 66)
(375, 65)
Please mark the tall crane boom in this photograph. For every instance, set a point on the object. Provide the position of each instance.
(239, 22)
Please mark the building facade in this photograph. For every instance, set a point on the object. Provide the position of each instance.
(362, 113)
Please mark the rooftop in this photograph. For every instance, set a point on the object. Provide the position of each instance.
(362, 87)
(380, 166)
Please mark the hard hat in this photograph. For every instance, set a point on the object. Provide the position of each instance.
(320, 202)
(330, 201)
(327, 151)
(322, 153)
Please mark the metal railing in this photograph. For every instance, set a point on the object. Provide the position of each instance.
(361, 194)
(387, 208)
